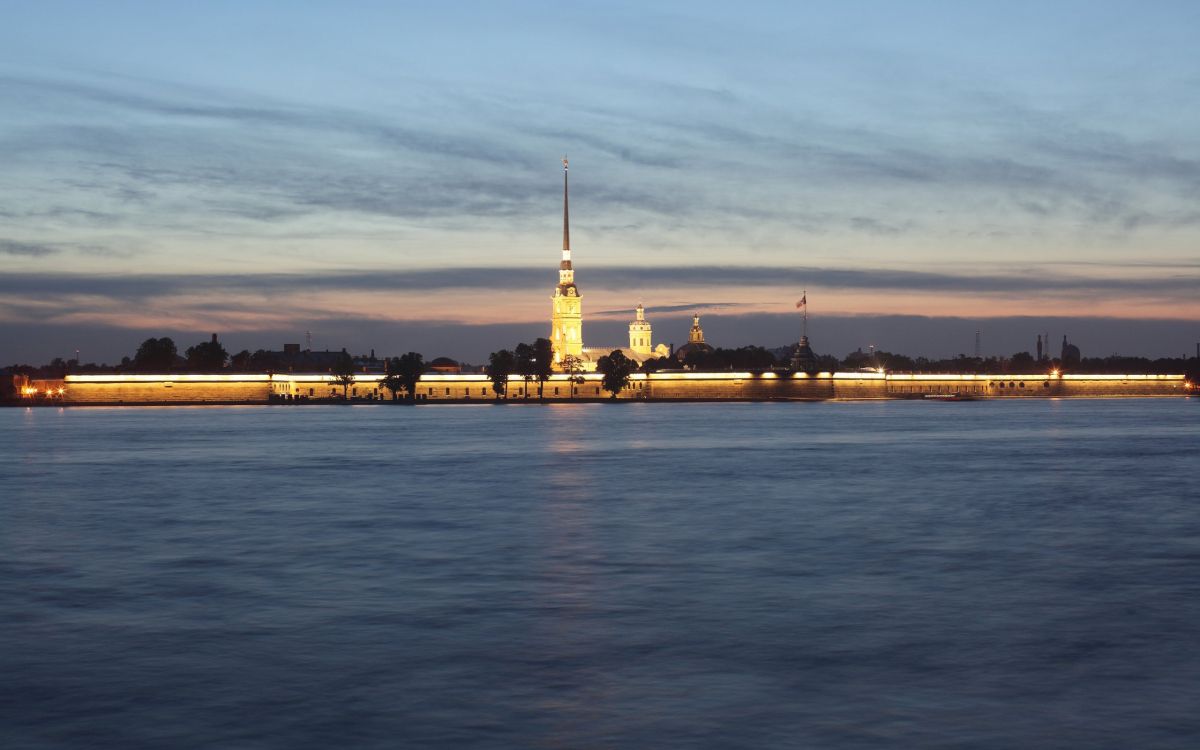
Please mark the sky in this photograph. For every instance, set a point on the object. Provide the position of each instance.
(387, 175)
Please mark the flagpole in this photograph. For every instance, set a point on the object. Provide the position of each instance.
(805, 298)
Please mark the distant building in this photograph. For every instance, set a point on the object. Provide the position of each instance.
(641, 344)
(445, 365)
(640, 333)
(803, 359)
(566, 306)
(1070, 353)
(566, 314)
(695, 342)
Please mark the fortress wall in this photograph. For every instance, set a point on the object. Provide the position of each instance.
(1081, 386)
(856, 386)
(256, 388)
(164, 392)
(746, 386)
(901, 385)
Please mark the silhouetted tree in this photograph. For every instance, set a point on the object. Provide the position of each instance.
(1023, 362)
(155, 354)
(523, 357)
(500, 366)
(543, 363)
(742, 358)
(343, 372)
(409, 367)
(263, 360)
(241, 360)
(697, 359)
(207, 355)
(827, 363)
(573, 367)
(654, 364)
(616, 368)
(391, 380)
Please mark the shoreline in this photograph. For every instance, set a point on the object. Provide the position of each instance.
(567, 401)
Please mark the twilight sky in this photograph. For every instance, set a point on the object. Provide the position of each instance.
(387, 175)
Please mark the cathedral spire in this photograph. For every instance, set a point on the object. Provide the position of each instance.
(566, 314)
(566, 218)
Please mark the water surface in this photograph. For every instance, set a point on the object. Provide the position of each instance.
(834, 575)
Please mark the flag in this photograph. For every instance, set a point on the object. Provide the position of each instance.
(803, 301)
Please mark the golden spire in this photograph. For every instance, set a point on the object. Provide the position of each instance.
(566, 219)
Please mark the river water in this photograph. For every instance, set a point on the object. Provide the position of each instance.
(831, 575)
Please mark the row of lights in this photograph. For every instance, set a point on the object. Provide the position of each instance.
(31, 391)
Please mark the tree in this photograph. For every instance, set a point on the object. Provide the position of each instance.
(241, 360)
(409, 368)
(543, 363)
(654, 364)
(616, 368)
(700, 359)
(343, 373)
(573, 367)
(500, 366)
(524, 365)
(207, 355)
(155, 354)
(1022, 362)
(391, 380)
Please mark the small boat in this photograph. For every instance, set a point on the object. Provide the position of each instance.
(948, 397)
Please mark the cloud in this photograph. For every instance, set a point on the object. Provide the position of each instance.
(279, 161)
(29, 249)
(664, 309)
(514, 278)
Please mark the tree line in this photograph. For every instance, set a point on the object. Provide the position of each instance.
(535, 363)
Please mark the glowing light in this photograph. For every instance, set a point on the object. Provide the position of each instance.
(134, 378)
(1054, 373)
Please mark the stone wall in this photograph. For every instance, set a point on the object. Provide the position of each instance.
(166, 389)
(261, 388)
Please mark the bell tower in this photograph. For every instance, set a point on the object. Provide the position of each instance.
(639, 333)
(566, 306)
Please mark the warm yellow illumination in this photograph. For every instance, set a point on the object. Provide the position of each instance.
(123, 377)
(1122, 377)
(1054, 373)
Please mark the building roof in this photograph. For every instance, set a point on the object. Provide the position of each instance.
(692, 346)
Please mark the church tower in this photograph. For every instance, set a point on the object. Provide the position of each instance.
(696, 335)
(566, 312)
(639, 333)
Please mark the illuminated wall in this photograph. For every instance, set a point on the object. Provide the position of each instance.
(260, 388)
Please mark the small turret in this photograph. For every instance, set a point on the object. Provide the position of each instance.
(695, 342)
(804, 360)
